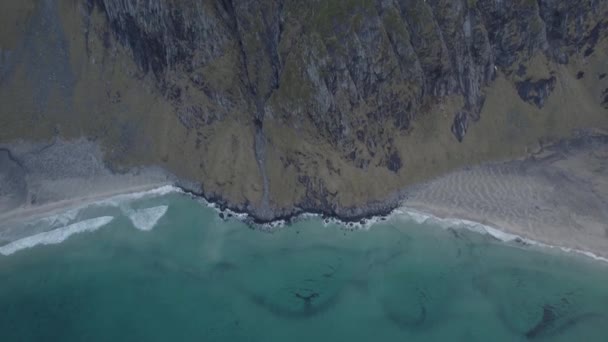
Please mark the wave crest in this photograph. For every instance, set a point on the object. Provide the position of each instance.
(55, 236)
(146, 219)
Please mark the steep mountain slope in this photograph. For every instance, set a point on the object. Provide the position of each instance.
(276, 106)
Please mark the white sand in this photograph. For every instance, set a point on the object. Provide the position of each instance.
(32, 212)
(41, 180)
(557, 197)
(560, 199)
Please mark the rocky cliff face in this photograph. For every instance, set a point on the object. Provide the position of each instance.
(282, 105)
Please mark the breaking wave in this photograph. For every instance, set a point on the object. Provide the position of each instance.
(120, 199)
(55, 236)
(60, 225)
(146, 219)
(60, 219)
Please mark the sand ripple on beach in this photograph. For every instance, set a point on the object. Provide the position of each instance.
(559, 198)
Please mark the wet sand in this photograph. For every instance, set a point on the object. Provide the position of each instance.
(33, 211)
(557, 196)
(38, 180)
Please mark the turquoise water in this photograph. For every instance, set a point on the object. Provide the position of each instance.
(197, 277)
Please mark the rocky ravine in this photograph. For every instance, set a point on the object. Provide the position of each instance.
(278, 106)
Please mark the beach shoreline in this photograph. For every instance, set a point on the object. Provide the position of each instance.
(33, 212)
(557, 196)
(506, 234)
(419, 214)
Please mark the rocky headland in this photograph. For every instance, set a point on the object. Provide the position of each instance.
(277, 107)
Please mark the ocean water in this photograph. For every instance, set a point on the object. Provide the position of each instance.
(168, 268)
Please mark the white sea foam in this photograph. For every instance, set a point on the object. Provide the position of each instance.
(55, 236)
(60, 219)
(63, 218)
(420, 217)
(118, 200)
(226, 212)
(146, 219)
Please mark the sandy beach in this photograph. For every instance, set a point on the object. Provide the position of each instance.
(557, 196)
(33, 212)
(37, 181)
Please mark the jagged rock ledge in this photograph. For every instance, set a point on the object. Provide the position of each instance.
(256, 218)
(38, 172)
(548, 153)
(568, 178)
(282, 107)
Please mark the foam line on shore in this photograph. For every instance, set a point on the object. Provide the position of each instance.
(61, 219)
(415, 215)
(422, 217)
(56, 236)
(111, 201)
(129, 197)
(146, 219)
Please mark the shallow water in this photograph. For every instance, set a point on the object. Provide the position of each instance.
(190, 275)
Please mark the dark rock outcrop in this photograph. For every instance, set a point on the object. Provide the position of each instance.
(329, 60)
(394, 162)
(357, 72)
(536, 92)
(460, 125)
(333, 93)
